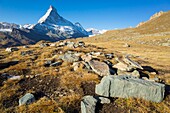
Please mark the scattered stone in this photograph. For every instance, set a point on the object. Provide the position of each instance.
(104, 100)
(48, 63)
(5, 75)
(15, 78)
(53, 45)
(62, 44)
(11, 49)
(109, 56)
(129, 86)
(100, 68)
(25, 46)
(29, 52)
(86, 58)
(132, 63)
(87, 66)
(166, 44)
(145, 78)
(123, 67)
(69, 57)
(126, 45)
(135, 73)
(27, 99)
(81, 44)
(89, 103)
(76, 65)
(70, 44)
(153, 73)
(95, 53)
(56, 64)
(44, 45)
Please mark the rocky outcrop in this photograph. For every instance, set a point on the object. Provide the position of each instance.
(156, 15)
(130, 87)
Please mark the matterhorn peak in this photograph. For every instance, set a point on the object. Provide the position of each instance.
(50, 16)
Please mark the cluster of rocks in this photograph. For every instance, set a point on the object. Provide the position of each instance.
(63, 43)
(122, 79)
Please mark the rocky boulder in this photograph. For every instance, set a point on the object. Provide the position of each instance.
(132, 63)
(88, 103)
(100, 68)
(69, 57)
(27, 99)
(129, 86)
(11, 49)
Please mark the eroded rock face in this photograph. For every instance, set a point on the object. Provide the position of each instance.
(100, 68)
(27, 99)
(129, 86)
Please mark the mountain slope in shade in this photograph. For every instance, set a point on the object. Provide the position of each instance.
(7, 27)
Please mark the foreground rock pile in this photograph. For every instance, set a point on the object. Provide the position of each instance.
(120, 75)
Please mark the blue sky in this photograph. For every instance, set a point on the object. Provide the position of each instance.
(101, 14)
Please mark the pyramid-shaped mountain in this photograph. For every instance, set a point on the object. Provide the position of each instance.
(54, 25)
(50, 27)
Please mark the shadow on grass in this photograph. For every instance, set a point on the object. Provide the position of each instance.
(8, 64)
(167, 90)
(149, 69)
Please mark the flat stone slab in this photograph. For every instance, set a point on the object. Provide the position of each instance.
(128, 86)
(100, 68)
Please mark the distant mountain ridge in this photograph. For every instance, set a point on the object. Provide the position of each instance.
(51, 27)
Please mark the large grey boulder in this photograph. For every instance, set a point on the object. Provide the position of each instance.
(27, 99)
(100, 68)
(69, 57)
(88, 103)
(128, 86)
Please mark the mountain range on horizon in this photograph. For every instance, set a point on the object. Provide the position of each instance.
(50, 27)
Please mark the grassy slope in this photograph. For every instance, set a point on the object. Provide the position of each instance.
(149, 53)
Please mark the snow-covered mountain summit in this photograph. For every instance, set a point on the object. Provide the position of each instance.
(54, 25)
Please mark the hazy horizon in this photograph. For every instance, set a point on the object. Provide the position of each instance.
(104, 14)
